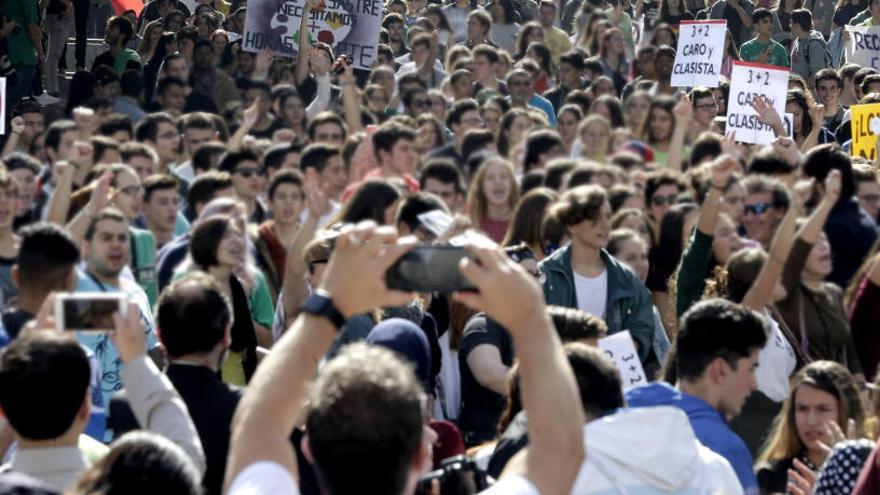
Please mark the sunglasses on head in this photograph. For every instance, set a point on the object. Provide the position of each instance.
(757, 208)
(659, 200)
(246, 171)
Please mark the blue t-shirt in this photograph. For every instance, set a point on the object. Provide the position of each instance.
(102, 346)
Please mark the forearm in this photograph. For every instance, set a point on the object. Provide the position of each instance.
(59, 203)
(78, 225)
(812, 139)
(36, 36)
(159, 409)
(239, 135)
(302, 56)
(11, 143)
(351, 106)
(676, 147)
(816, 222)
(551, 400)
(295, 290)
(275, 396)
(762, 288)
(709, 211)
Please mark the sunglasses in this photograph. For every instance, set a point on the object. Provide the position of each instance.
(757, 208)
(659, 200)
(246, 171)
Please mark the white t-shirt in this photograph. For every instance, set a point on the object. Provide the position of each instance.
(592, 293)
(264, 478)
(776, 362)
(270, 478)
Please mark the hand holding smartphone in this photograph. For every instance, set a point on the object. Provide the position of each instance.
(88, 312)
(430, 269)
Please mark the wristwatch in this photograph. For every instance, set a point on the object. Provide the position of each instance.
(320, 304)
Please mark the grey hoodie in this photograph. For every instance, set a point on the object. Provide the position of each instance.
(805, 63)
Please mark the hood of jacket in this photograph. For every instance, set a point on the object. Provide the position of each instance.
(643, 447)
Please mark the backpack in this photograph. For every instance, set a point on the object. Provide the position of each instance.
(829, 60)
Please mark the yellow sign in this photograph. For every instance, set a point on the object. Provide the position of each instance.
(864, 141)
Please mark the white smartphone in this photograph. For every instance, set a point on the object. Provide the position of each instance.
(875, 126)
(88, 312)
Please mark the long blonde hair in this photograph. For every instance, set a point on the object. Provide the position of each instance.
(478, 206)
(827, 376)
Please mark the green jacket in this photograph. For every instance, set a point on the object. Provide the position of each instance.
(143, 262)
(628, 305)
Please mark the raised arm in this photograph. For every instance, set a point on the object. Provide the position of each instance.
(768, 115)
(100, 198)
(350, 99)
(510, 295)
(817, 116)
(302, 55)
(295, 288)
(682, 113)
(248, 121)
(355, 280)
(690, 278)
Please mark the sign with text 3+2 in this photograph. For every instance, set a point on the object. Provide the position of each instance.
(748, 80)
(699, 54)
(863, 47)
(620, 348)
(351, 27)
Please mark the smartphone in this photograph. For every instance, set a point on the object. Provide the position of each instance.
(88, 312)
(338, 67)
(430, 269)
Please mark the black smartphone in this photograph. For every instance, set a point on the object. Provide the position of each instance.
(88, 312)
(339, 68)
(430, 269)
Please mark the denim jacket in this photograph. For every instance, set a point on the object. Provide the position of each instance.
(628, 304)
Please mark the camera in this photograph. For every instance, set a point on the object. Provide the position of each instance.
(338, 67)
(458, 475)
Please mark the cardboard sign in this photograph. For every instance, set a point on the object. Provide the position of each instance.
(699, 54)
(864, 140)
(622, 351)
(747, 81)
(863, 47)
(350, 27)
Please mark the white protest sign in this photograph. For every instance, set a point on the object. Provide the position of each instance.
(620, 348)
(350, 27)
(699, 54)
(748, 80)
(863, 47)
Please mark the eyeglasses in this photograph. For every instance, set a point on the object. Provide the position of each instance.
(757, 208)
(707, 107)
(131, 190)
(246, 171)
(659, 200)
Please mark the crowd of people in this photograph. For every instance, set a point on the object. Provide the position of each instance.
(247, 207)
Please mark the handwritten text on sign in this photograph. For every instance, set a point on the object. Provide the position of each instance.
(620, 348)
(351, 27)
(700, 53)
(747, 81)
(863, 47)
(864, 142)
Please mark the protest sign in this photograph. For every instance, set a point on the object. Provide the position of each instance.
(747, 81)
(864, 139)
(350, 27)
(620, 348)
(863, 47)
(699, 54)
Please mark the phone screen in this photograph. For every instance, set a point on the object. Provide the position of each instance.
(89, 315)
(429, 269)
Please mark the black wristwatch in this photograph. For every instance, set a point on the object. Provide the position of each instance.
(320, 304)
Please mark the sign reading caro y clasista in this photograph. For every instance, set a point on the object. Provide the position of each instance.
(699, 54)
(351, 27)
(748, 80)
